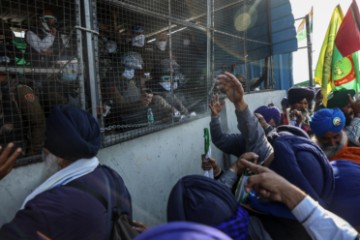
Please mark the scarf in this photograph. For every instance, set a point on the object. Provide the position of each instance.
(75, 170)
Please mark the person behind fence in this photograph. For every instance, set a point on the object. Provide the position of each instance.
(42, 38)
(61, 208)
(124, 92)
(167, 83)
(23, 118)
(160, 51)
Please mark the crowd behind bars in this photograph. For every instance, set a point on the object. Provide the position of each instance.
(141, 83)
(296, 174)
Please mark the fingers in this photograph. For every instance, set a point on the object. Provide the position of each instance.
(255, 168)
(250, 156)
(8, 159)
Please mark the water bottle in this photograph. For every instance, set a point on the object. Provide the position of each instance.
(150, 116)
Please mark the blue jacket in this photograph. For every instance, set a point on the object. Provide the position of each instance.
(67, 212)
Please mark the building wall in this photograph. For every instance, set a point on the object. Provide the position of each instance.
(150, 165)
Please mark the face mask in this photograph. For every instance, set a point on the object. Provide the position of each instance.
(166, 83)
(51, 164)
(186, 42)
(128, 73)
(111, 46)
(138, 41)
(161, 45)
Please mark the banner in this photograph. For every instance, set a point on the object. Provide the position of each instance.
(345, 63)
(324, 64)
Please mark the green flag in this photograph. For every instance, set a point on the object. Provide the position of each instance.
(324, 64)
(345, 62)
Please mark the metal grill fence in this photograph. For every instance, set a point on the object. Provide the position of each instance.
(137, 66)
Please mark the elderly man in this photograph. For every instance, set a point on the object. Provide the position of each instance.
(327, 125)
(58, 209)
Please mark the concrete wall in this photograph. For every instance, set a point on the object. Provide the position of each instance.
(150, 165)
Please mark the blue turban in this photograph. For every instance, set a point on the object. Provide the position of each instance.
(182, 231)
(300, 161)
(346, 197)
(203, 200)
(269, 113)
(327, 120)
(72, 133)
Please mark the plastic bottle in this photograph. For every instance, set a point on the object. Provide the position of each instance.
(150, 116)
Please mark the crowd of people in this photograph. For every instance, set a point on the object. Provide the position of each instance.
(141, 83)
(287, 183)
(297, 170)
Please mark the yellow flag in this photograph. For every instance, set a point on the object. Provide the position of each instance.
(323, 66)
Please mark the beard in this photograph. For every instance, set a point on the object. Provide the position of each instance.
(332, 150)
(51, 165)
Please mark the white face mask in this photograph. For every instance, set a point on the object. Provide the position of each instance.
(51, 164)
(186, 42)
(138, 41)
(111, 46)
(128, 73)
(161, 45)
(167, 85)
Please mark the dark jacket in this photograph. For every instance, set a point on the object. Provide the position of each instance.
(67, 212)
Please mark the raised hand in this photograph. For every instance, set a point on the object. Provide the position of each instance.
(231, 86)
(216, 106)
(7, 159)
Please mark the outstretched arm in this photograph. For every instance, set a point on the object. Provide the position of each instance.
(248, 124)
(318, 222)
(229, 143)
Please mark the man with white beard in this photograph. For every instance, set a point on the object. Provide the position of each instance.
(328, 126)
(59, 208)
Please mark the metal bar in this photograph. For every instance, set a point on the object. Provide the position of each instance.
(90, 56)
(79, 45)
(309, 45)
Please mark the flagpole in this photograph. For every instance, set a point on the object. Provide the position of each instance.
(309, 48)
